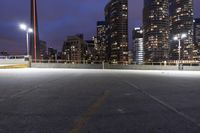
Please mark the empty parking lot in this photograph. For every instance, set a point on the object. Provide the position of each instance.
(99, 101)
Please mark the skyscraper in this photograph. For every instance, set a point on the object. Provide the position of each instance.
(34, 38)
(197, 32)
(138, 47)
(156, 29)
(197, 38)
(116, 17)
(181, 22)
(91, 51)
(101, 40)
(74, 49)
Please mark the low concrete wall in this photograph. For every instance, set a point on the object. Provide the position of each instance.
(191, 68)
(100, 66)
(13, 61)
(142, 67)
(57, 65)
(109, 66)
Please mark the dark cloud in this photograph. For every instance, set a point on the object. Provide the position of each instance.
(57, 19)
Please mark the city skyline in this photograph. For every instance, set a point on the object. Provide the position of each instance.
(55, 26)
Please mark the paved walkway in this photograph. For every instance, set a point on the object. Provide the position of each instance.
(99, 101)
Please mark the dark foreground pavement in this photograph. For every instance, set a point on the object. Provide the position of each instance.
(97, 101)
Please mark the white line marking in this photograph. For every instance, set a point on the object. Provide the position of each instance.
(165, 104)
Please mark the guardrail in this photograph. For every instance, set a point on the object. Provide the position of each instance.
(13, 57)
(22, 59)
(171, 63)
(14, 61)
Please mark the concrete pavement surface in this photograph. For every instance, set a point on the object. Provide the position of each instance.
(99, 101)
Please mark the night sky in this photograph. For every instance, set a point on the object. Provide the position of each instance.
(57, 19)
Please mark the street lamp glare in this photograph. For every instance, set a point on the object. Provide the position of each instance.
(30, 30)
(23, 27)
(183, 36)
(175, 38)
(178, 38)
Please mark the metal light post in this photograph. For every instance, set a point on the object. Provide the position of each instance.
(24, 27)
(178, 38)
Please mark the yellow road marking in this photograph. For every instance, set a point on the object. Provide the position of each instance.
(90, 112)
(14, 66)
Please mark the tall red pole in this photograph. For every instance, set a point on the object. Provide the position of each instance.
(35, 30)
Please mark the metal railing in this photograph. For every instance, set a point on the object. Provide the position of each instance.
(170, 63)
(13, 57)
(68, 61)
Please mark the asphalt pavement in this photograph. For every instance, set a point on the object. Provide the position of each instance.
(99, 101)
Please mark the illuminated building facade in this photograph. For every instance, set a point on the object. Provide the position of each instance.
(156, 30)
(138, 47)
(101, 40)
(197, 32)
(74, 49)
(181, 22)
(91, 52)
(34, 38)
(197, 37)
(116, 17)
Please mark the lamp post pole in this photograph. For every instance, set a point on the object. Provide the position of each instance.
(27, 43)
(28, 30)
(178, 38)
(179, 50)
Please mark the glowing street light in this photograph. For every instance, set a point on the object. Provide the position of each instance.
(23, 27)
(183, 36)
(175, 38)
(178, 38)
(28, 30)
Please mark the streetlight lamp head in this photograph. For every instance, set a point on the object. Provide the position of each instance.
(30, 30)
(183, 36)
(23, 27)
(175, 38)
